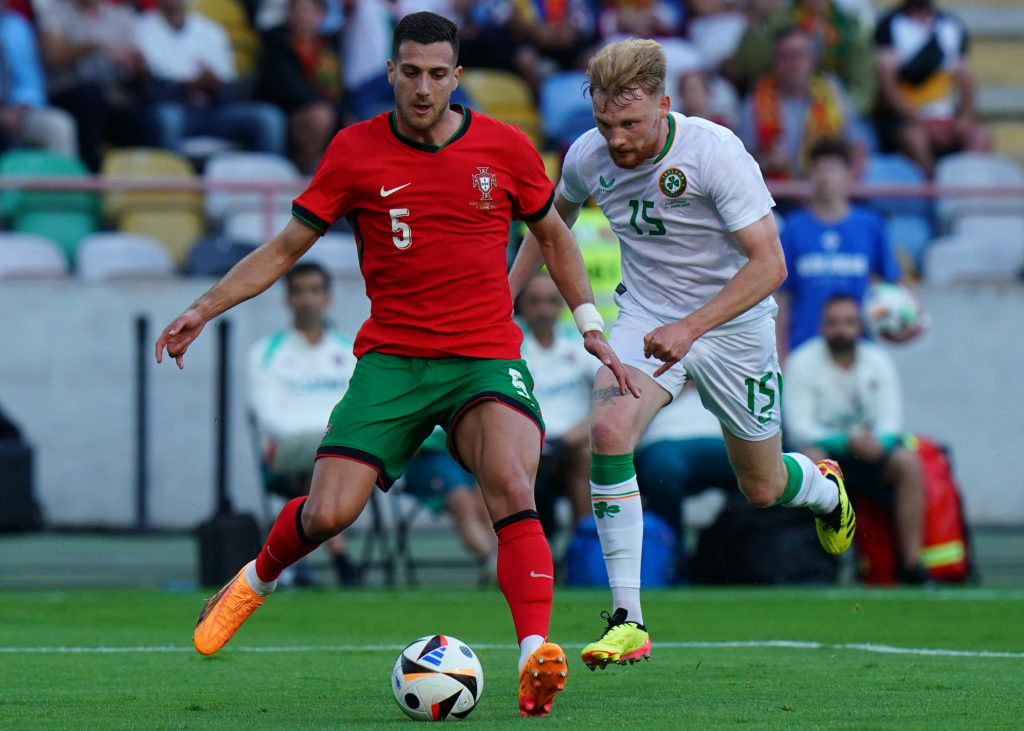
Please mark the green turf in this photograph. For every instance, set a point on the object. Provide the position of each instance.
(300, 686)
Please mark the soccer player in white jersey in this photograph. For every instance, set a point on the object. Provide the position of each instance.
(700, 258)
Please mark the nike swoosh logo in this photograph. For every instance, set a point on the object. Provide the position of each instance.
(386, 193)
(535, 575)
(608, 184)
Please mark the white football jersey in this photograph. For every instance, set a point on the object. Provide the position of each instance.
(674, 214)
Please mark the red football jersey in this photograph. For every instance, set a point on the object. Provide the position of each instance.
(432, 225)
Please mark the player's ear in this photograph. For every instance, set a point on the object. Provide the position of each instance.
(457, 76)
(664, 106)
(391, 72)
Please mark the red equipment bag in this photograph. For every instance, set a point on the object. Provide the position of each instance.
(945, 550)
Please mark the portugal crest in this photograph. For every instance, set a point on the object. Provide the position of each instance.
(672, 182)
(485, 181)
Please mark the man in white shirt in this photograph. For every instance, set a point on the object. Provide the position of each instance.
(563, 380)
(297, 375)
(193, 69)
(844, 402)
(700, 259)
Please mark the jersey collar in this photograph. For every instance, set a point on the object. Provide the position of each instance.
(651, 161)
(426, 146)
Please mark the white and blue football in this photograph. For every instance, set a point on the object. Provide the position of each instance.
(437, 678)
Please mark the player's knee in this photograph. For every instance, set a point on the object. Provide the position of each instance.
(321, 521)
(609, 437)
(760, 492)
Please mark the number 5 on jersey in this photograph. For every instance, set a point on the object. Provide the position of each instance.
(403, 239)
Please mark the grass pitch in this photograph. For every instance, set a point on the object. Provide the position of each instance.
(848, 658)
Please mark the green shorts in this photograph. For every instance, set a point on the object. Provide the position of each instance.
(393, 402)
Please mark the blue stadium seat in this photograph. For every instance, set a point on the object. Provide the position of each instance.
(564, 110)
(213, 255)
(896, 169)
(910, 236)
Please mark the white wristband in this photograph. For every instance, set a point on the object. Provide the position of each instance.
(588, 318)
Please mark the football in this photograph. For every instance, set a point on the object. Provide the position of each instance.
(889, 309)
(437, 678)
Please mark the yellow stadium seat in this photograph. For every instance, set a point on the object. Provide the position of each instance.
(245, 42)
(496, 90)
(178, 230)
(552, 165)
(173, 216)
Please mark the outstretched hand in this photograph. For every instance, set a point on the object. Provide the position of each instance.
(597, 345)
(177, 336)
(668, 343)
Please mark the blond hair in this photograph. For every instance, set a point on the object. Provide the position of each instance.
(621, 71)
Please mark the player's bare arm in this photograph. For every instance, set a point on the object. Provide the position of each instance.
(763, 273)
(252, 275)
(565, 263)
(529, 259)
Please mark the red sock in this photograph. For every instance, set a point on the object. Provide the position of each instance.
(525, 572)
(286, 543)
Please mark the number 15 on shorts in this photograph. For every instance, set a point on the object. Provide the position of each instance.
(763, 396)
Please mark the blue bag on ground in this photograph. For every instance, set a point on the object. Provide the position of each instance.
(584, 564)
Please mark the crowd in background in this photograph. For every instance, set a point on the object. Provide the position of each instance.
(82, 75)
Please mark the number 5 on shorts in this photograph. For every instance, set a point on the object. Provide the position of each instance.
(517, 382)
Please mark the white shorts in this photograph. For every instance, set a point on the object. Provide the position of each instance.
(737, 374)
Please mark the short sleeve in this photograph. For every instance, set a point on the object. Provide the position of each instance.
(571, 186)
(328, 196)
(734, 183)
(533, 192)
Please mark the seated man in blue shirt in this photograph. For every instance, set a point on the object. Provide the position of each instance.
(832, 246)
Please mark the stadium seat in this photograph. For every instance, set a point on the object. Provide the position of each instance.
(30, 256)
(889, 169)
(213, 255)
(335, 252)
(264, 167)
(910, 235)
(982, 170)
(63, 216)
(245, 41)
(118, 255)
(254, 227)
(955, 259)
(565, 111)
(173, 216)
(504, 96)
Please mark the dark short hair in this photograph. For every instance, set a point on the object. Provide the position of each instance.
(840, 297)
(301, 270)
(830, 148)
(425, 28)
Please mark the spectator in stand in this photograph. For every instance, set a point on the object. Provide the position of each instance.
(831, 247)
(844, 402)
(564, 378)
(842, 44)
(926, 84)
(96, 73)
(193, 70)
(681, 453)
(295, 376)
(696, 99)
(25, 117)
(434, 478)
(794, 106)
(561, 31)
(650, 19)
(715, 26)
(300, 72)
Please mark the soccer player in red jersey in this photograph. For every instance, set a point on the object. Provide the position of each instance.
(429, 190)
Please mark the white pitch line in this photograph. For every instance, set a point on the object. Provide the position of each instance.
(695, 645)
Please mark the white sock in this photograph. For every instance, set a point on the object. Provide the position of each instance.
(526, 648)
(620, 526)
(816, 491)
(261, 587)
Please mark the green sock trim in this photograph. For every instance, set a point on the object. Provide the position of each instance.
(611, 469)
(794, 478)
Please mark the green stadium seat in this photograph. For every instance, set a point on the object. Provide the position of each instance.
(64, 216)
